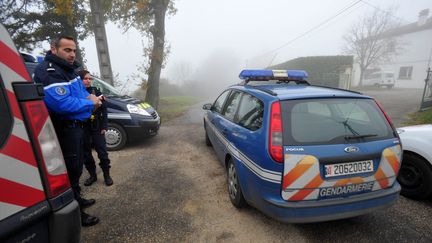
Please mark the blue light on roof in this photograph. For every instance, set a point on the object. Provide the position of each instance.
(262, 74)
(300, 74)
(248, 73)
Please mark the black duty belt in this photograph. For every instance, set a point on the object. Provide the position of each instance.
(74, 123)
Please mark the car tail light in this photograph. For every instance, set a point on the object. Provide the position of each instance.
(275, 133)
(48, 147)
(385, 114)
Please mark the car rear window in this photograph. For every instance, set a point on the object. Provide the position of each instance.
(5, 116)
(333, 121)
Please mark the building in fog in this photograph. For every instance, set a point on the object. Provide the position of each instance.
(410, 66)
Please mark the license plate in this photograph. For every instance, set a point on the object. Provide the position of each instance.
(350, 168)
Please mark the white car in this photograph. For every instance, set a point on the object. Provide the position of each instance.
(415, 175)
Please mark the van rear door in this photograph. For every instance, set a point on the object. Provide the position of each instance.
(36, 202)
(22, 196)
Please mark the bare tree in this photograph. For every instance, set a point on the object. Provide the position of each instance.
(371, 41)
(148, 17)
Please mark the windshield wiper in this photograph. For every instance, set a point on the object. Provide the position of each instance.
(360, 136)
(346, 125)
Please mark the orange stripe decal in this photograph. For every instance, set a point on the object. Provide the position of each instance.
(356, 180)
(298, 171)
(381, 178)
(394, 162)
(341, 182)
(316, 182)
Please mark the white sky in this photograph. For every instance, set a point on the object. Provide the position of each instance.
(246, 29)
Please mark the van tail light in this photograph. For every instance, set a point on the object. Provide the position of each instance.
(275, 133)
(385, 114)
(48, 147)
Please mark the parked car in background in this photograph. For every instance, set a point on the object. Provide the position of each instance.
(128, 118)
(30, 62)
(36, 201)
(415, 175)
(380, 79)
(303, 153)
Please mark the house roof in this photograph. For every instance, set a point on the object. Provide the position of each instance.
(407, 29)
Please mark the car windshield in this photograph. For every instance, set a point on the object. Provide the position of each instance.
(106, 89)
(333, 121)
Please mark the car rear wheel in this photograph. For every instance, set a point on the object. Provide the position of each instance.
(115, 137)
(415, 177)
(234, 189)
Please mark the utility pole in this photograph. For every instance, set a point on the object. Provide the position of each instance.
(101, 41)
(427, 92)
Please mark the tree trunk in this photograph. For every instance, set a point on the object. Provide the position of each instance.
(362, 71)
(158, 33)
(69, 29)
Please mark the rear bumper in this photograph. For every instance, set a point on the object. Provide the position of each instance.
(332, 209)
(65, 224)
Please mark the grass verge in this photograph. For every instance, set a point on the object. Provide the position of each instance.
(171, 107)
(421, 117)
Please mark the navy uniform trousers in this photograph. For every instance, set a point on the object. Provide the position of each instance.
(94, 137)
(71, 137)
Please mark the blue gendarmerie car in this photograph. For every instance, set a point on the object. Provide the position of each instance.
(303, 153)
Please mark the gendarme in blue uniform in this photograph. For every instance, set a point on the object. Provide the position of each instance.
(65, 94)
(69, 108)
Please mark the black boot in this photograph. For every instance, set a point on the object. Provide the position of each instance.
(88, 220)
(92, 179)
(107, 178)
(84, 203)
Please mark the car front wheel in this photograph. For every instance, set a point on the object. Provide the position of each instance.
(415, 177)
(115, 137)
(234, 189)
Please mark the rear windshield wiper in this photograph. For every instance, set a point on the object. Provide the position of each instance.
(354, 132)
(360, 136)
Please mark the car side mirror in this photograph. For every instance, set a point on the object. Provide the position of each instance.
(207, 106)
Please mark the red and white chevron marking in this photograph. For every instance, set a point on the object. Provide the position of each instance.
(20, 180)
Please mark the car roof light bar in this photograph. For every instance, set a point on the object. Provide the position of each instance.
(265, 75)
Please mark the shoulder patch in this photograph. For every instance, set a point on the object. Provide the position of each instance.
(60, 90)
(50, 68)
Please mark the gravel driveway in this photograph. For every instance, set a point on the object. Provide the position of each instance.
(171, 188)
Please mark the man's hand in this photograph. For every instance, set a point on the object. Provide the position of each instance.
(103, 131)
(97, 102)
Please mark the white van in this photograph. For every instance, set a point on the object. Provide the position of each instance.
(382, 78)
